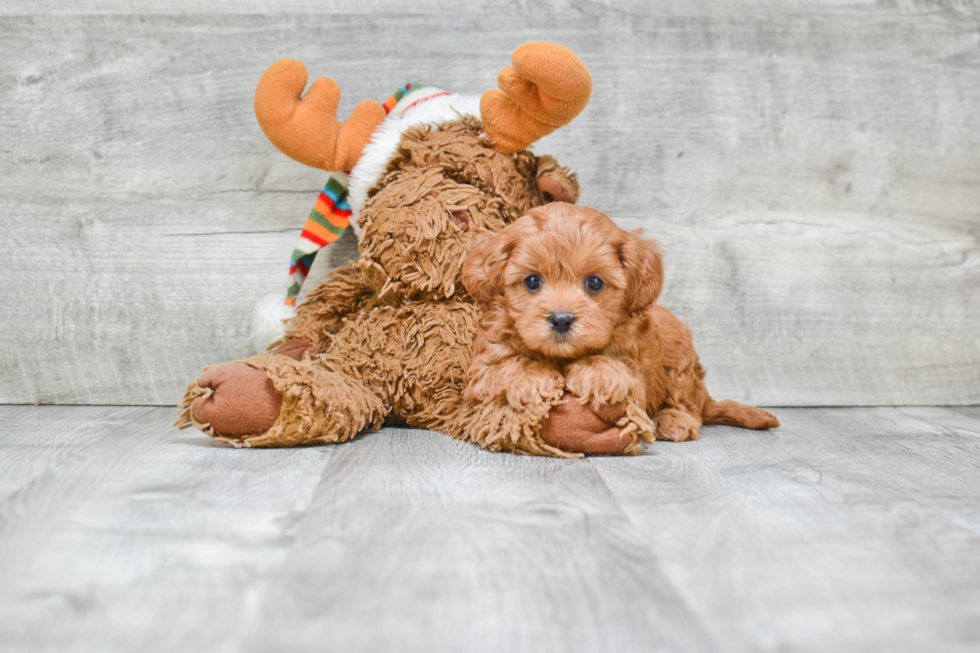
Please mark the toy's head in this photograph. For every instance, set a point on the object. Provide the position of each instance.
(429, 170)
(442, 188)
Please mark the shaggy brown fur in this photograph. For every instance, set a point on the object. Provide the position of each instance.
(451, 186)
(572, 307)
(391, 336)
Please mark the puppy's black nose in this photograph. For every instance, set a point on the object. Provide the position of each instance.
(561, 322)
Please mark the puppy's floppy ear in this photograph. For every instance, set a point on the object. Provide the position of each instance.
(483, 269)
(643, 262)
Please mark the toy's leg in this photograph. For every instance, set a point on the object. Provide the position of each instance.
(602, 413)
(577, 426)
(322, 314)
(236, 403)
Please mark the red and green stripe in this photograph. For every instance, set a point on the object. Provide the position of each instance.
(326, 223)
(331, 214)
(399, 94)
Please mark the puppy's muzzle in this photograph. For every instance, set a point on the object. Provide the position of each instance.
(561, 322)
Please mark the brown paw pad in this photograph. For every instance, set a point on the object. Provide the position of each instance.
(575, 427)
(242, 400)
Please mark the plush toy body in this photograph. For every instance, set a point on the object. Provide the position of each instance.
(388, 339)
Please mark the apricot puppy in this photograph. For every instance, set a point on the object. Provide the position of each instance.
(571, 306)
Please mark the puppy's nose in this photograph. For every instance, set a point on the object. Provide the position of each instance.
(561, 322)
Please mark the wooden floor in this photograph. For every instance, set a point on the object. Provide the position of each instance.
(853, 529)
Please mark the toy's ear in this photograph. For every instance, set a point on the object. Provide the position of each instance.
(306, 129)
(557, 184)
(547, 86)
(643, 262)
(483, 269)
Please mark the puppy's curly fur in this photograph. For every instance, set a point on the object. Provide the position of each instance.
(570, 300)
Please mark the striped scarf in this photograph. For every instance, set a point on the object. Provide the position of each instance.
(327, 222)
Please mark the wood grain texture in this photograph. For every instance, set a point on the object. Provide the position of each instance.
(37, 443)
(148, 539)
(429, 544)
(809, 167)
(844, 530)
(849, 529)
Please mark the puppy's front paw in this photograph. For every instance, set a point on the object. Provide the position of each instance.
(600, 380)
(538, 385)
(676, 425)
(517, 381)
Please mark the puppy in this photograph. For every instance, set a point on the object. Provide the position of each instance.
(570, 300)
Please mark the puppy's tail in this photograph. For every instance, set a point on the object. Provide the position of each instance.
(736, 414)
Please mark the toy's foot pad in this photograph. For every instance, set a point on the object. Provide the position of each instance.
(575, 427)
(233, 399)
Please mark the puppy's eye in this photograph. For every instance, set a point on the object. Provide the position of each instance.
(594, 284)
(532, 282)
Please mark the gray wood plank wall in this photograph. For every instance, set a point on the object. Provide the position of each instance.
(811, 169)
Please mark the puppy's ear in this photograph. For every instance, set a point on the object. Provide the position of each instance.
(483, 269)
(643, 261)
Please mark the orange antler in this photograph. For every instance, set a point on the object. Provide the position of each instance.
(547, 86)
(307, 129)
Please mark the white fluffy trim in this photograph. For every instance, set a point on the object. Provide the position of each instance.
(267, 321)
(374, 159)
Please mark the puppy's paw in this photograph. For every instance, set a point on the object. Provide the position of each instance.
(601, 380)
(676, 425)
(538, 384)
(517, 381)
